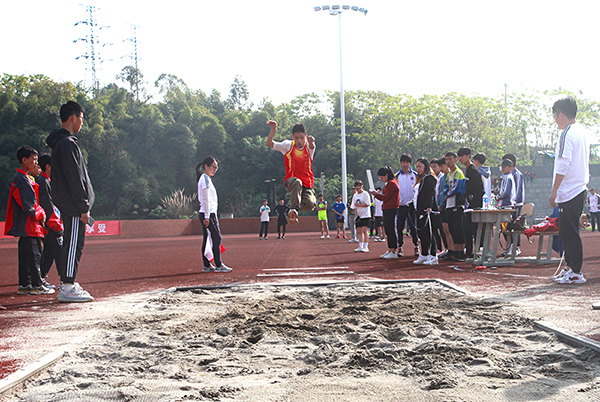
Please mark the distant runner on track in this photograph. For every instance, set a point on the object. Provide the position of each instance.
(299, 179)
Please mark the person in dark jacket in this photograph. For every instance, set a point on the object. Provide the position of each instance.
(25, 219)
(54, 227)
(282, 211)
(425, 206)
(474, 198)
(73, 194)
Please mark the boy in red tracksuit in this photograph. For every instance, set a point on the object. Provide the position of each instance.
(25, 219)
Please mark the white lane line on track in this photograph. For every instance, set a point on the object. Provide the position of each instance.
(302, 269)
(307, 273)
(501, 274)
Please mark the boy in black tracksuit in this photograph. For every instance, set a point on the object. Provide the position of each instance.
(474, 195)
(74, 196)
(53, 239)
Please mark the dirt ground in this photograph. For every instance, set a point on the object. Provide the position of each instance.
(396, 342)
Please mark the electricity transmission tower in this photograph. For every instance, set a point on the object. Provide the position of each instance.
(92, 52)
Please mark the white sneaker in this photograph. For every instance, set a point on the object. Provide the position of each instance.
(518, 251)
(356, 250)
(75, 295)
(223, 268)
(391, 256)
(352, 241)
(328, 237)
(322, 237)
(562, 273)
(421, 259)
(41, 290)
(431, 260)
(571, 277)
(384, 254)
(364, 249)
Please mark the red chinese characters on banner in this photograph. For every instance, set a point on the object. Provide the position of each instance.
(103, 228)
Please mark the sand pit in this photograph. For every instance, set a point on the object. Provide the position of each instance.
(401, 342)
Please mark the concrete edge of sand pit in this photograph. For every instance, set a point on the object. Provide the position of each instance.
(321, 283)
(25, 373)
(569, 336)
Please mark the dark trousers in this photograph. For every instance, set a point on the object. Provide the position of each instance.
(406, 212)
(264, 228)
(595, 220)
(455, 224)
(516, 237)
(568, 228)
(389, 225)
(30, 258)
(438, 231)
(281, 224)
(73, 242)
(52, 251)
(215, 237)
(425, 228)
(470, 229)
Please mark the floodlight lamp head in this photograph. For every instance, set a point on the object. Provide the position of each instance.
(317, 8)
(326, 8)
(354, 8)
(335, 7)
(346, 7)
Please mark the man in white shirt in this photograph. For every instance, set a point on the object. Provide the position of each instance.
(571, 176)
(406, 178)
(592, 203)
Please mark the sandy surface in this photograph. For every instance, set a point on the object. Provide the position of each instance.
(402, 342)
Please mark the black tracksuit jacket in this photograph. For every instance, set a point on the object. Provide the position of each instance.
(72, 190)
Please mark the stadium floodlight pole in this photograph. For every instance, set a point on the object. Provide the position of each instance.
(337, 10)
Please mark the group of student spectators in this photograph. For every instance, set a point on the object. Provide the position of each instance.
(49, 203)
(430, 201)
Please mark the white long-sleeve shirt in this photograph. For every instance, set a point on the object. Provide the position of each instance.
(207, 195)
(572, 159)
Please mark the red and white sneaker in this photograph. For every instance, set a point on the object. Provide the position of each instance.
(571, 277)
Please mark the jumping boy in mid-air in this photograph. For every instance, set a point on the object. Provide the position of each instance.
(299, 179)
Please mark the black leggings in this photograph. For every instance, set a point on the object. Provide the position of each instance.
(438, 231)
(389, 224)
(425, 230)
(215, 237)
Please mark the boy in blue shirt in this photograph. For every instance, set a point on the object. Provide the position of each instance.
(338, 209)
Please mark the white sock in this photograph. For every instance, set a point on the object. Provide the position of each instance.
(360, 245)
(67, 287)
